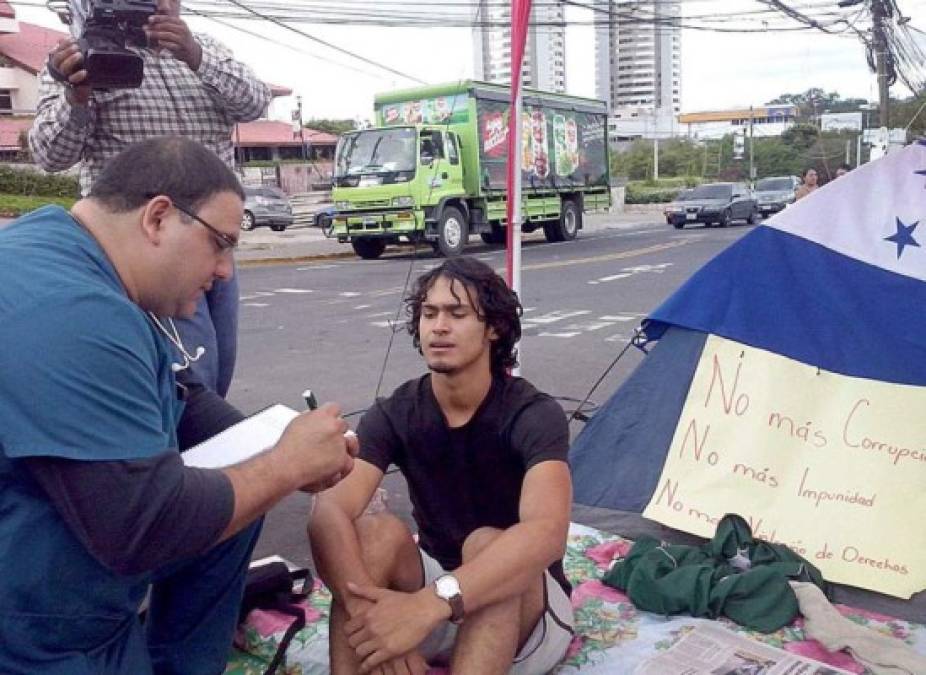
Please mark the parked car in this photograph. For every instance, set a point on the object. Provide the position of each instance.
(774, 193)
(266, 206)
(711, 203)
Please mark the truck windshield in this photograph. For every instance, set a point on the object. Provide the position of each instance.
(376, 151)
(711, 192)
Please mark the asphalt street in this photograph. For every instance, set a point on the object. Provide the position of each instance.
(337, 327)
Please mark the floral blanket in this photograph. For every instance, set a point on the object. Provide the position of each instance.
(612, 635)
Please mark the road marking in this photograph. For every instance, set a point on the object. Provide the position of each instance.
(316, 267)
(558, 335)
(254, 304)
(558, 315)
(375, 314)
(620, 317)
(363, 306)
(655, 248)
(349, 294)
(294, 291)
(630, 271)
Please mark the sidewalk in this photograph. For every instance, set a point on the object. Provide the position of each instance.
(261, 246)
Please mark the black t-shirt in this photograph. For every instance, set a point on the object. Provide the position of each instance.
(464, 478)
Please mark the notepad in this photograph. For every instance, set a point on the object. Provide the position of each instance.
(242, 441)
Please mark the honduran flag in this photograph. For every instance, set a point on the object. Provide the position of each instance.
(834, 282)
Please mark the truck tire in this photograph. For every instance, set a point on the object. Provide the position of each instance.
(567, 227)
(368, 248)
(496, 236)
(247, 221)
(452, 232)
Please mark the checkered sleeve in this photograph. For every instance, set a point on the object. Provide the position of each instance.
(233, 85)
(59, 132)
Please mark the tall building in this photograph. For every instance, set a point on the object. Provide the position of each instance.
(544, 65)
(638, 59)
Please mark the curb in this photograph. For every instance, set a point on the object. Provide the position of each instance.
(290, 260)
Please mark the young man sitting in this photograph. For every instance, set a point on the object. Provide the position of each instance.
(485, 458)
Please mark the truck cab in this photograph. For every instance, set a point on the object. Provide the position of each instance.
(390, 181)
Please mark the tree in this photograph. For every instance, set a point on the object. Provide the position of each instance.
(331, 126)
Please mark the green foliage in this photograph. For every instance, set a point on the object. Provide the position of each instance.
(331, 126)
(640, 192)
(13, 206)
(33, 183)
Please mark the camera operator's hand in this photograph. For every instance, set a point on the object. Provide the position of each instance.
(67, 60)
(172, 33)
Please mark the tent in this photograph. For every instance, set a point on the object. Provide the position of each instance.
(823, 308)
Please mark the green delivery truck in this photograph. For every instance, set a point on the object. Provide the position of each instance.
(433, 169)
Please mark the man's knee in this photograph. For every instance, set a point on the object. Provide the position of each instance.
(382, 537)
(478, 540)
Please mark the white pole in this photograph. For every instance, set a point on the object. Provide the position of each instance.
(858, 151)
(515, 223)
(655, 157)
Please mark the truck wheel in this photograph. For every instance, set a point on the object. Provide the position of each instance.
(452, 232)
(725, 218)
(496, 236)
(367, 248)
(754, 217)
(567, 227)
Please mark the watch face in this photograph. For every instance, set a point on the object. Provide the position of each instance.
(447, 587)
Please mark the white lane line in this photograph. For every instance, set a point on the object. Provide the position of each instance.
(316, 267)
(255, 304)
(590, 326)
(294, 291)
(620, 317)
(557, 335)
(363, 306)
(558, 315)
(375, 314)
(349, 294)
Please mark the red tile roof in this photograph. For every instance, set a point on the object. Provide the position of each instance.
(277, 89)
(6, 11)
(10, 130)
(271, 132)
(30, 46)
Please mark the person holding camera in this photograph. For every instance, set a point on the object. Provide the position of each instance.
(193, 87)
(96, 504)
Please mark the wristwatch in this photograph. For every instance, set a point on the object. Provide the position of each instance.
(448, 588)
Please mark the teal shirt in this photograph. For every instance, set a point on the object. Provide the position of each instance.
(85, 376)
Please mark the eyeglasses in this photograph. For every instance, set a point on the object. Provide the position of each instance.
(225, 242)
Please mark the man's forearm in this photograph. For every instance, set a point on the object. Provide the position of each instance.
(243, 97)
(336, 550)
(259, 484)
(56, 138)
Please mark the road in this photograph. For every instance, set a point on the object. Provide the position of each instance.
(337, 327)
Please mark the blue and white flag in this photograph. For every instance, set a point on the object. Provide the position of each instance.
(835, 280)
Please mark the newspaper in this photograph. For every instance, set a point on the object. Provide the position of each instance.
(713, 650)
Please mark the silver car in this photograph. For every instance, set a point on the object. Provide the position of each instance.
(775, 193)
(266, 206)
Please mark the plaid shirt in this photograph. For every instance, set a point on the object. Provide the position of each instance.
(173, 100)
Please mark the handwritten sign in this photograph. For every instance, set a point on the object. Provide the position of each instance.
(833, 466)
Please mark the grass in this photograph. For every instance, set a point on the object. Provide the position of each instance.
(12, 206)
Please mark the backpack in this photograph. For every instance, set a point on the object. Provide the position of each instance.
(270, 586)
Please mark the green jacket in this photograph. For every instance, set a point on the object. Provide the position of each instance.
(733, 574)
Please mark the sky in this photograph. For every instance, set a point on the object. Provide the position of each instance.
(718, 70)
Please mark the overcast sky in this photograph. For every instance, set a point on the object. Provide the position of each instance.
(718, 70)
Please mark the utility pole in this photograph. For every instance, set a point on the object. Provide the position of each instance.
(752, 158)
(879, 36)
(655, 157)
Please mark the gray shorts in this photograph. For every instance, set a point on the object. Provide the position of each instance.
(544, 648)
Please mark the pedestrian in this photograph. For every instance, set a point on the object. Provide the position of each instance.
(485, 457)
(96, 504)
(808, 184)
(192, 87)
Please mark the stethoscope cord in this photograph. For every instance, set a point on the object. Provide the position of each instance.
(173, 335)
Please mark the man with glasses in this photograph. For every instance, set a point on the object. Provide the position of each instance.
(192, 87)
(96, 505)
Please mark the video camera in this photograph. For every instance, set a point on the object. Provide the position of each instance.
(104, 30)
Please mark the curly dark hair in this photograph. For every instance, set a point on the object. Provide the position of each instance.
(495, 304)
